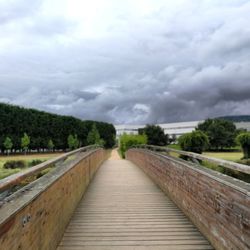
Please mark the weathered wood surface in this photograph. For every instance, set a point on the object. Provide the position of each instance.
(123, 209)
(15, 179)
(226, 164)
(36, 216)
(217, 204)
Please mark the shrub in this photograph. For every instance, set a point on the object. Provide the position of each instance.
(127, 141)
(35, 162)
(14, 164)
(195, 141)
(244, 140)
(221, 133)
(73, 142)
(155, 135)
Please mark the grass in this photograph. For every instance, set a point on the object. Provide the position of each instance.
(234, 154)
(230, 172)
(6, 172)
(30, 157)
(27, 158)
(229, 156)
(120, 153)
(174, 146)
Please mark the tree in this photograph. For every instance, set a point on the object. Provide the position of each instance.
(221, 133)
(127, 141)
(73, 142)
(8, 144)
(77, 143)
(107, 133)
(25, 142)
(50, 145)
(244, 140)
(42, 126)
(239, 131)
(195, 141)
(155, 135)
(93, 136)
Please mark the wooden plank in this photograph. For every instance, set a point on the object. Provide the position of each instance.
(169, 247)
(123, 209)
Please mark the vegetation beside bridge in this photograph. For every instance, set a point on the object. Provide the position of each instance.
(24, 129)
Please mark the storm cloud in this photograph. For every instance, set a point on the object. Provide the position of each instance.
(134, 62)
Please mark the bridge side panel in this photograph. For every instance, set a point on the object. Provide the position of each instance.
(220, 210)
(40, 224)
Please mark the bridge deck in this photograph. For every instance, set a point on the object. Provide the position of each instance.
(124, 209)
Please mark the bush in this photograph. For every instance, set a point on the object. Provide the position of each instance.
(244, 140)
(35, 162)
(14, 164)
(155, 135)
(127, 141)
(195, 141)
(221, 133)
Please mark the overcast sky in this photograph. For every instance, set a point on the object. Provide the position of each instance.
(127, 61)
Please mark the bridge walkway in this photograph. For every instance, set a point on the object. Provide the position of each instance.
(123, 209)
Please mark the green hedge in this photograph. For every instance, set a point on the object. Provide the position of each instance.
(14, 164)
(244, 140)
(127, 141)
(195, 141)
(43, 127)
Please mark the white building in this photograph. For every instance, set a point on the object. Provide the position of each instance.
(128, 129)
(171, 129)
(244, 125)
(177, 128)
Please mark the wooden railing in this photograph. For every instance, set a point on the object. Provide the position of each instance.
(226, 164)
(35, 217)
(17, 178)
(217, 204)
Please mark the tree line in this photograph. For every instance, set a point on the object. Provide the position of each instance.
(212, 134)
(30, 129)
(216, 135)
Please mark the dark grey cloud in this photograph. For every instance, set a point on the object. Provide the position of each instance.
(135, 62)
(13, 10)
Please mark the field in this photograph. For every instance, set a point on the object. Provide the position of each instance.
(234, 155)
(27, 158)
(229, 156)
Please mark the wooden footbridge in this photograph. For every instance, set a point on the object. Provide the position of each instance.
(151, 200)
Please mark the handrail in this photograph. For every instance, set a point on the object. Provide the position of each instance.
(15, 179)
(226, 164)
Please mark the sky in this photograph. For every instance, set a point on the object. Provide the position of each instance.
(127, 61)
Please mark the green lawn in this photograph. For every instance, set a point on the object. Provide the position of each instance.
(174, 146)
(27, 158)
(234, 155)
(229, 156)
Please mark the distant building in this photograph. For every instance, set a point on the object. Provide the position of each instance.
(179, 128)
(128, 129)
(172, 129)
(244, 125)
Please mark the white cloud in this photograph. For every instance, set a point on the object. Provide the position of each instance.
(126, 61)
